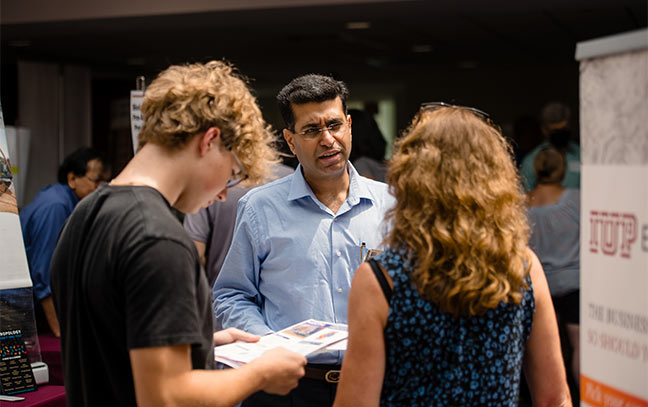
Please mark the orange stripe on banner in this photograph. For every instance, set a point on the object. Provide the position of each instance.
(598, 394)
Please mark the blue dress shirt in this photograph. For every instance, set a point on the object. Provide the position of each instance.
(292, 258)
(41, 222)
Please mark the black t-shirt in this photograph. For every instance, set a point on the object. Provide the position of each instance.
(125, 275)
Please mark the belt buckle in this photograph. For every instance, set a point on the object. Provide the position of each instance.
(332, 376)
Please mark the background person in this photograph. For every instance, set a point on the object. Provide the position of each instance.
(298, 239)
(556, 128)
(446, 314)
(133, 302)
(554, 216)
(42, 220)
(368, 152)
(211, 228)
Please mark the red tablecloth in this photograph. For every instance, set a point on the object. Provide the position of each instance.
(45, 396)
(51, 353)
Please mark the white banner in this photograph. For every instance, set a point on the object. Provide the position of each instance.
(136, 98)
(14, 271)
(18, 141)
(614, 286)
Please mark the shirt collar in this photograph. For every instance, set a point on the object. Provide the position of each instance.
(358, 189)
(71, 194)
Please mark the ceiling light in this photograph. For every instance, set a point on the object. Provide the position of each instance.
(468, 64)
(375, 62)
(422, 48)
(136, 61)
(19, 43)
(358, 25)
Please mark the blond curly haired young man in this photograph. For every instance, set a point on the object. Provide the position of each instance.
(133, 302)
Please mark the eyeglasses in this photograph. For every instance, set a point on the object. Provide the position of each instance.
(97, 181)
(6, 178)
(313, 132)
(238, 177)
(436, 105)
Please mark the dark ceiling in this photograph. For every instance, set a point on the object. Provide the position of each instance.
(403, 37)
(506, 57)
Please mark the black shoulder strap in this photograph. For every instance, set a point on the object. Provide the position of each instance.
(381, 279)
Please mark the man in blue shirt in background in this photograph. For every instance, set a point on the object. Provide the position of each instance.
(298, 240)
(42, 220)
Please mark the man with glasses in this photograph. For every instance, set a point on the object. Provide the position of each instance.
(298, 240)
(41, 221)
(134, 304)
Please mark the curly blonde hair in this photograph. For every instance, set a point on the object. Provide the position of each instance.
(459, 212)
(184, 101)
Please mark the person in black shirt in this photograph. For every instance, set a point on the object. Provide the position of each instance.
(133, 303)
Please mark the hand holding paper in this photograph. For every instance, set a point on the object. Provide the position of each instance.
(282, 370)
(304, 338)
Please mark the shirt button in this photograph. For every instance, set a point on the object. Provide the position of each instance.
(339, 290)
(338, 253)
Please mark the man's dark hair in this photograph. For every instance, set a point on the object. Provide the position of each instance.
(77, 163)
(306, 89)
(555, 112)
(367, 140)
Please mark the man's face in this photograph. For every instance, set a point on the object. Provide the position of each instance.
(85, 184)
(321, 139)
(222, 168)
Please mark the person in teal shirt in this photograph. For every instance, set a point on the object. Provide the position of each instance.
(556, 128)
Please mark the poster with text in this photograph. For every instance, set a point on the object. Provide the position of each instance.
(614, 286)
(136, 120)
(14, 271)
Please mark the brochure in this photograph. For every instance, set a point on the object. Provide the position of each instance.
(306, 337)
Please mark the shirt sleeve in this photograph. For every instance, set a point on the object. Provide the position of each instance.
(527, 172)
(197, 225)
(237, 300)
(47, 225)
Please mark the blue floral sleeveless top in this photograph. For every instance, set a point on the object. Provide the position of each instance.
(435, 359)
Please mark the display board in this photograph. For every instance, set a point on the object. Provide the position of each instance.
(136, 98)
(614, 220)
(14, 271)
(614, 285)
(16, 296)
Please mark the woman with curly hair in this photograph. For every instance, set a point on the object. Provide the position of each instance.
(450, 313)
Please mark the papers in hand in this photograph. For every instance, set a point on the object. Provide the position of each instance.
(306, 337)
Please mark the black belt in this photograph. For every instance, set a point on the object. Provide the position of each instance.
(328, 373)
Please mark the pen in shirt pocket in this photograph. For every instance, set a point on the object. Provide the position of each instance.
(363, 248)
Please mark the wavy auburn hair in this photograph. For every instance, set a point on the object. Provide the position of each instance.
(459, 212)
(186, 100)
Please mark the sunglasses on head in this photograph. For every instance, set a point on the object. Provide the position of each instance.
(437, 105)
